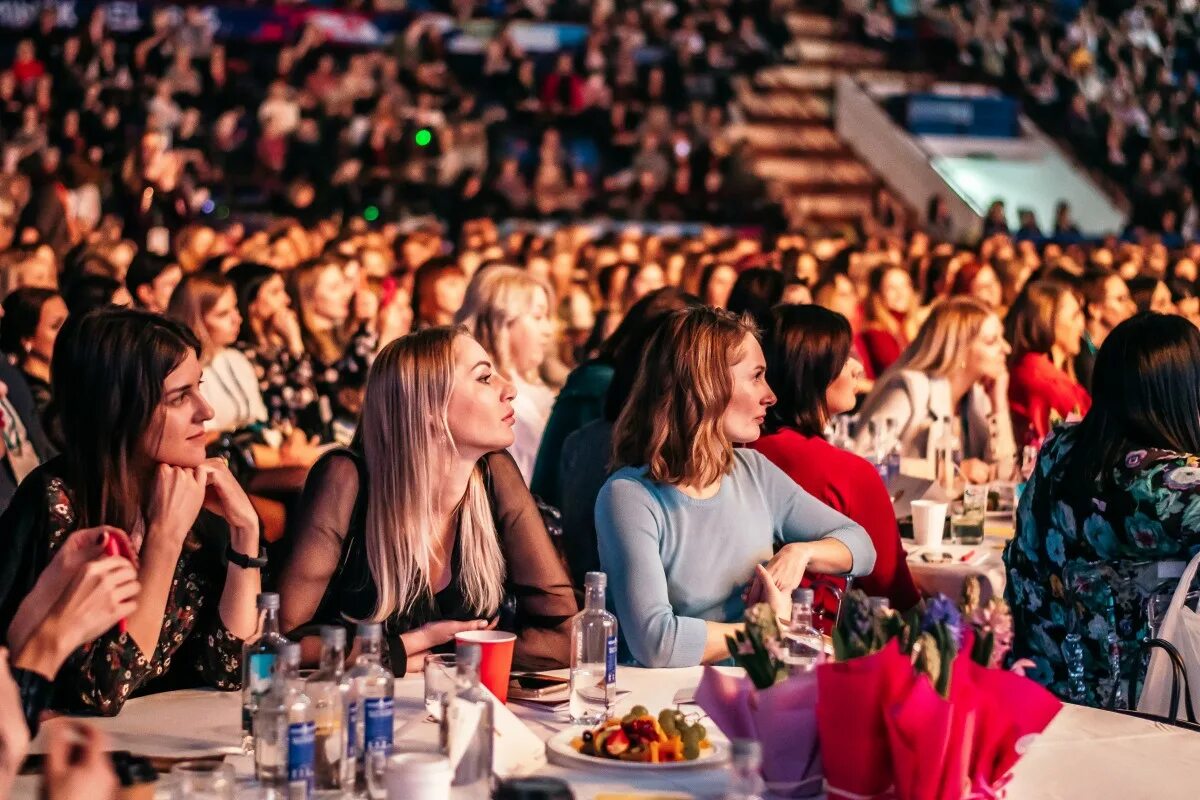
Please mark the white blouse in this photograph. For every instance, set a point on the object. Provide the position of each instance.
(532, 407)
(230, 386)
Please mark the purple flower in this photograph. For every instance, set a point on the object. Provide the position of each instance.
(941, 610)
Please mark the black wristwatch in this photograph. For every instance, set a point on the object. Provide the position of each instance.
(244, 561)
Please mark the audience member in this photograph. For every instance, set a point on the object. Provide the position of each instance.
(679, 481)
(425, 523)
(1109, 495)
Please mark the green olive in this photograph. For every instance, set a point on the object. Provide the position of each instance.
(640, 711)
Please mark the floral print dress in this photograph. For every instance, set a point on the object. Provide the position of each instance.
(194, 647)
(1090, 567)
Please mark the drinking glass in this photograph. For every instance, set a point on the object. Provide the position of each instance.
(966, 525)
(440, 670)
(202, 780)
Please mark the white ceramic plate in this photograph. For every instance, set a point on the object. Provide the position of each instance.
(560, 751)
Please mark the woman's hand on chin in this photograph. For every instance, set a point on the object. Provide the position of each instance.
(224, 496)
(175, 503)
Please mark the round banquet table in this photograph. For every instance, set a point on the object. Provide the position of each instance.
(1083, 753)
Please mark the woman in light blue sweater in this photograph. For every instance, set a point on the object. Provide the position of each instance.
(692, 530)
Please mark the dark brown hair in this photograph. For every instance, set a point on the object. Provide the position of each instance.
(1029, 326)
(806, 347)
(108, 372)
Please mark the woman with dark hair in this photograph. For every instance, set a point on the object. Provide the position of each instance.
(582, 399)
(126, 388)
(887, 318)
(1045, 329)
(270, 338)
(810, 366)
(439, 286)
(687, 522)
(1151, 294)
(1110, 497)
(32, 319)
(716, 282)
(756, 292)
(581, 463)
(89, 292)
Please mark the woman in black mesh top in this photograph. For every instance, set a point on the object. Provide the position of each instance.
(425, 523)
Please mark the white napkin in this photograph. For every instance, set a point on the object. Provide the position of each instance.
(516, 750)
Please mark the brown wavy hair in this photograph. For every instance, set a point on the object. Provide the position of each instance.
(672, 421)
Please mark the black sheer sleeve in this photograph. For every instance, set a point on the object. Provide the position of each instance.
(325, 515)
(536, 575)
(24, 538)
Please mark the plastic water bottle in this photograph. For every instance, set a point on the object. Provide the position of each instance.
(467, 729)
(284, 731)
(593, 656)
(328, 689)
(804, 644)
(745, 779)
(372, 695)
(892, 447)
(258, 661)
(878, 455)
(1072, 650)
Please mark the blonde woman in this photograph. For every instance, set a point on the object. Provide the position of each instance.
(955, 372)
(425, 523)
(509, 312)
(691, 529)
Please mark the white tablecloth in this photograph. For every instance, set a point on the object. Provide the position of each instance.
(983, 561)
(1084, 753)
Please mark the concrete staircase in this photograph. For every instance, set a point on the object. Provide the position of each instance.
(787, 112)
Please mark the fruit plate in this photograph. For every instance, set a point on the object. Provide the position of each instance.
(560, 751)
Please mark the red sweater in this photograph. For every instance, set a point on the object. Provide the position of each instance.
(849, 484)
(1035, 388)
(881, 349)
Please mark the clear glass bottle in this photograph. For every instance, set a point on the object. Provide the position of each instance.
(948, 454)
(284, 731)
(327, 689)
(877, 448)
(258, 661)
(1072, 650)
(466, 729)
(371, 693)
(593, 656)
(745, 778)
(892, 447)
(805, 646)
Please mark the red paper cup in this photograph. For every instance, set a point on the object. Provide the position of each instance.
(495, 658)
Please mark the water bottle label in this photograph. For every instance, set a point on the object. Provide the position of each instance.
(261, 667)
(377, 723)
(302, 745)
(610, 661)
(351, 728)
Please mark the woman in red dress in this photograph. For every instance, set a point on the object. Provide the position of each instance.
(888, 312)
(810, 368)
(1045, 328)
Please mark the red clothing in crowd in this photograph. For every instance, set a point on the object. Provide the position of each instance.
(880, 349)
(569, 97)
(27, 71)
(1036, 387)
(849, 484)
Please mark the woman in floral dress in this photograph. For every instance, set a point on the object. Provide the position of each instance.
(132, 420)
(1110, 498)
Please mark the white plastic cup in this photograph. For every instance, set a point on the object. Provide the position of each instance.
(418, 776)
(929, 522)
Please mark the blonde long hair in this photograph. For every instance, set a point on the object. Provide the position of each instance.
(404, 429)
(496, 297)
(941, 343)
(192, 300)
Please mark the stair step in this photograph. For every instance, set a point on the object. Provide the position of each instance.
(806, 23)
(761, 136)
(819, 171)
(787, 105)
(795, 77)
(836, 53)
(837, 205)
